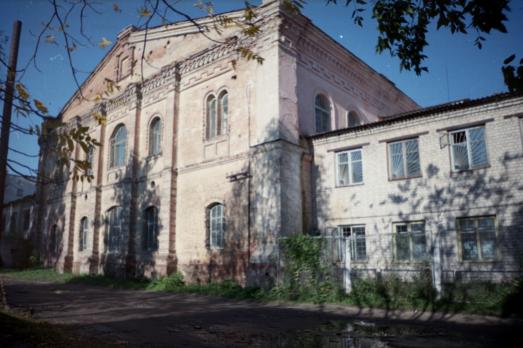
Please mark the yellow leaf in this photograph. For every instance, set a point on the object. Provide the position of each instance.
(104, 43)
(50, 39)
(40, 106)
(144, 12)
(22, 91)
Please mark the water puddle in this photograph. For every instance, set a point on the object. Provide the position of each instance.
(338, 334)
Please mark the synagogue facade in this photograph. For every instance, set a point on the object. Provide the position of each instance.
(207, 159)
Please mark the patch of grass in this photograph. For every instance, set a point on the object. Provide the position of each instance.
(16, 331)
(39, 274)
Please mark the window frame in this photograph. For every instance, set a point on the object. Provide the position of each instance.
(210, 219)
(223, 122)
(479, 249)
(323, 111)
(410, 235)
(353, 239)
(404, 158)
(155, 137)
(349, 167)
(83, 233)
(150, 237)
(469, 156)
(113, 162)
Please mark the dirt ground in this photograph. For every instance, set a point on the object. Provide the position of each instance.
(133, 318)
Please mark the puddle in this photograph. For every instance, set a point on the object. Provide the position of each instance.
(336, 334)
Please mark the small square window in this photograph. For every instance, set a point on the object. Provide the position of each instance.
(477, 237)
(349, 167)
(409, 241)
(404, 159)
(468, 149)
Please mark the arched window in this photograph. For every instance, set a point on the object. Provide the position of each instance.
(84, 229)
(216, 226)
(211, 117)
(150, 229)
(155, 131)
(118, 147)
(353, 119)
(223, 112)
(323, 114)
(90, 160)
(113, 229)
(54, 240)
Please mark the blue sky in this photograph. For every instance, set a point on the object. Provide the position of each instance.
(457, 69)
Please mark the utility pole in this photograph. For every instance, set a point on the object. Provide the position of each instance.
(6, 115)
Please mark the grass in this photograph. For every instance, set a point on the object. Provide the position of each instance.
(388, 293)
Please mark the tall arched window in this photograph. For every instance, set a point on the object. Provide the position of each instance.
(223, 112)
(211, 117)
(114, 228)
(150, 229)
(90, 160)
(353, 119)
(216, 226)
(155, 132)
(82, 237)
(323, 113)
(118, 147)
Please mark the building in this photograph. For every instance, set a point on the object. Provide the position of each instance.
(208, 158)
(438, 188)
(18, 218)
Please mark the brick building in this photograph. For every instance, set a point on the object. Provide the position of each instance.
(207, 158)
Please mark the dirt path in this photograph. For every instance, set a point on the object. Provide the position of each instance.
(154, 319)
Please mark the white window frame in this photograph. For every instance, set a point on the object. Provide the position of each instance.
(349, 167)
(403, 143)
(223, 113)
(216, 226)
(469, 153)
(410, 235)
(352, 236)
(479, 249)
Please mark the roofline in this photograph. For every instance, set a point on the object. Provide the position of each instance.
(420, 113)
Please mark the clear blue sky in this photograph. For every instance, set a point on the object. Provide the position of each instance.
(457, 69)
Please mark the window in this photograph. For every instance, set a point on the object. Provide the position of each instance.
(114, 228)
(27, 219)
(217, 115)
(468, 149)
(84, 229)
(349, 167)
(155, 132)
(410, 241)
(223, 113)
(54, 241)
(118, 147)
(14, 222)
(477, 237)
(211, 117)
(404, 159)
(323, 114)
(216, 226)
(90, 160)
(150, 230)
(353, 120)
(356, 239)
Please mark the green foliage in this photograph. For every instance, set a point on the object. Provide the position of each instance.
(305, 278)
(513, 75)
